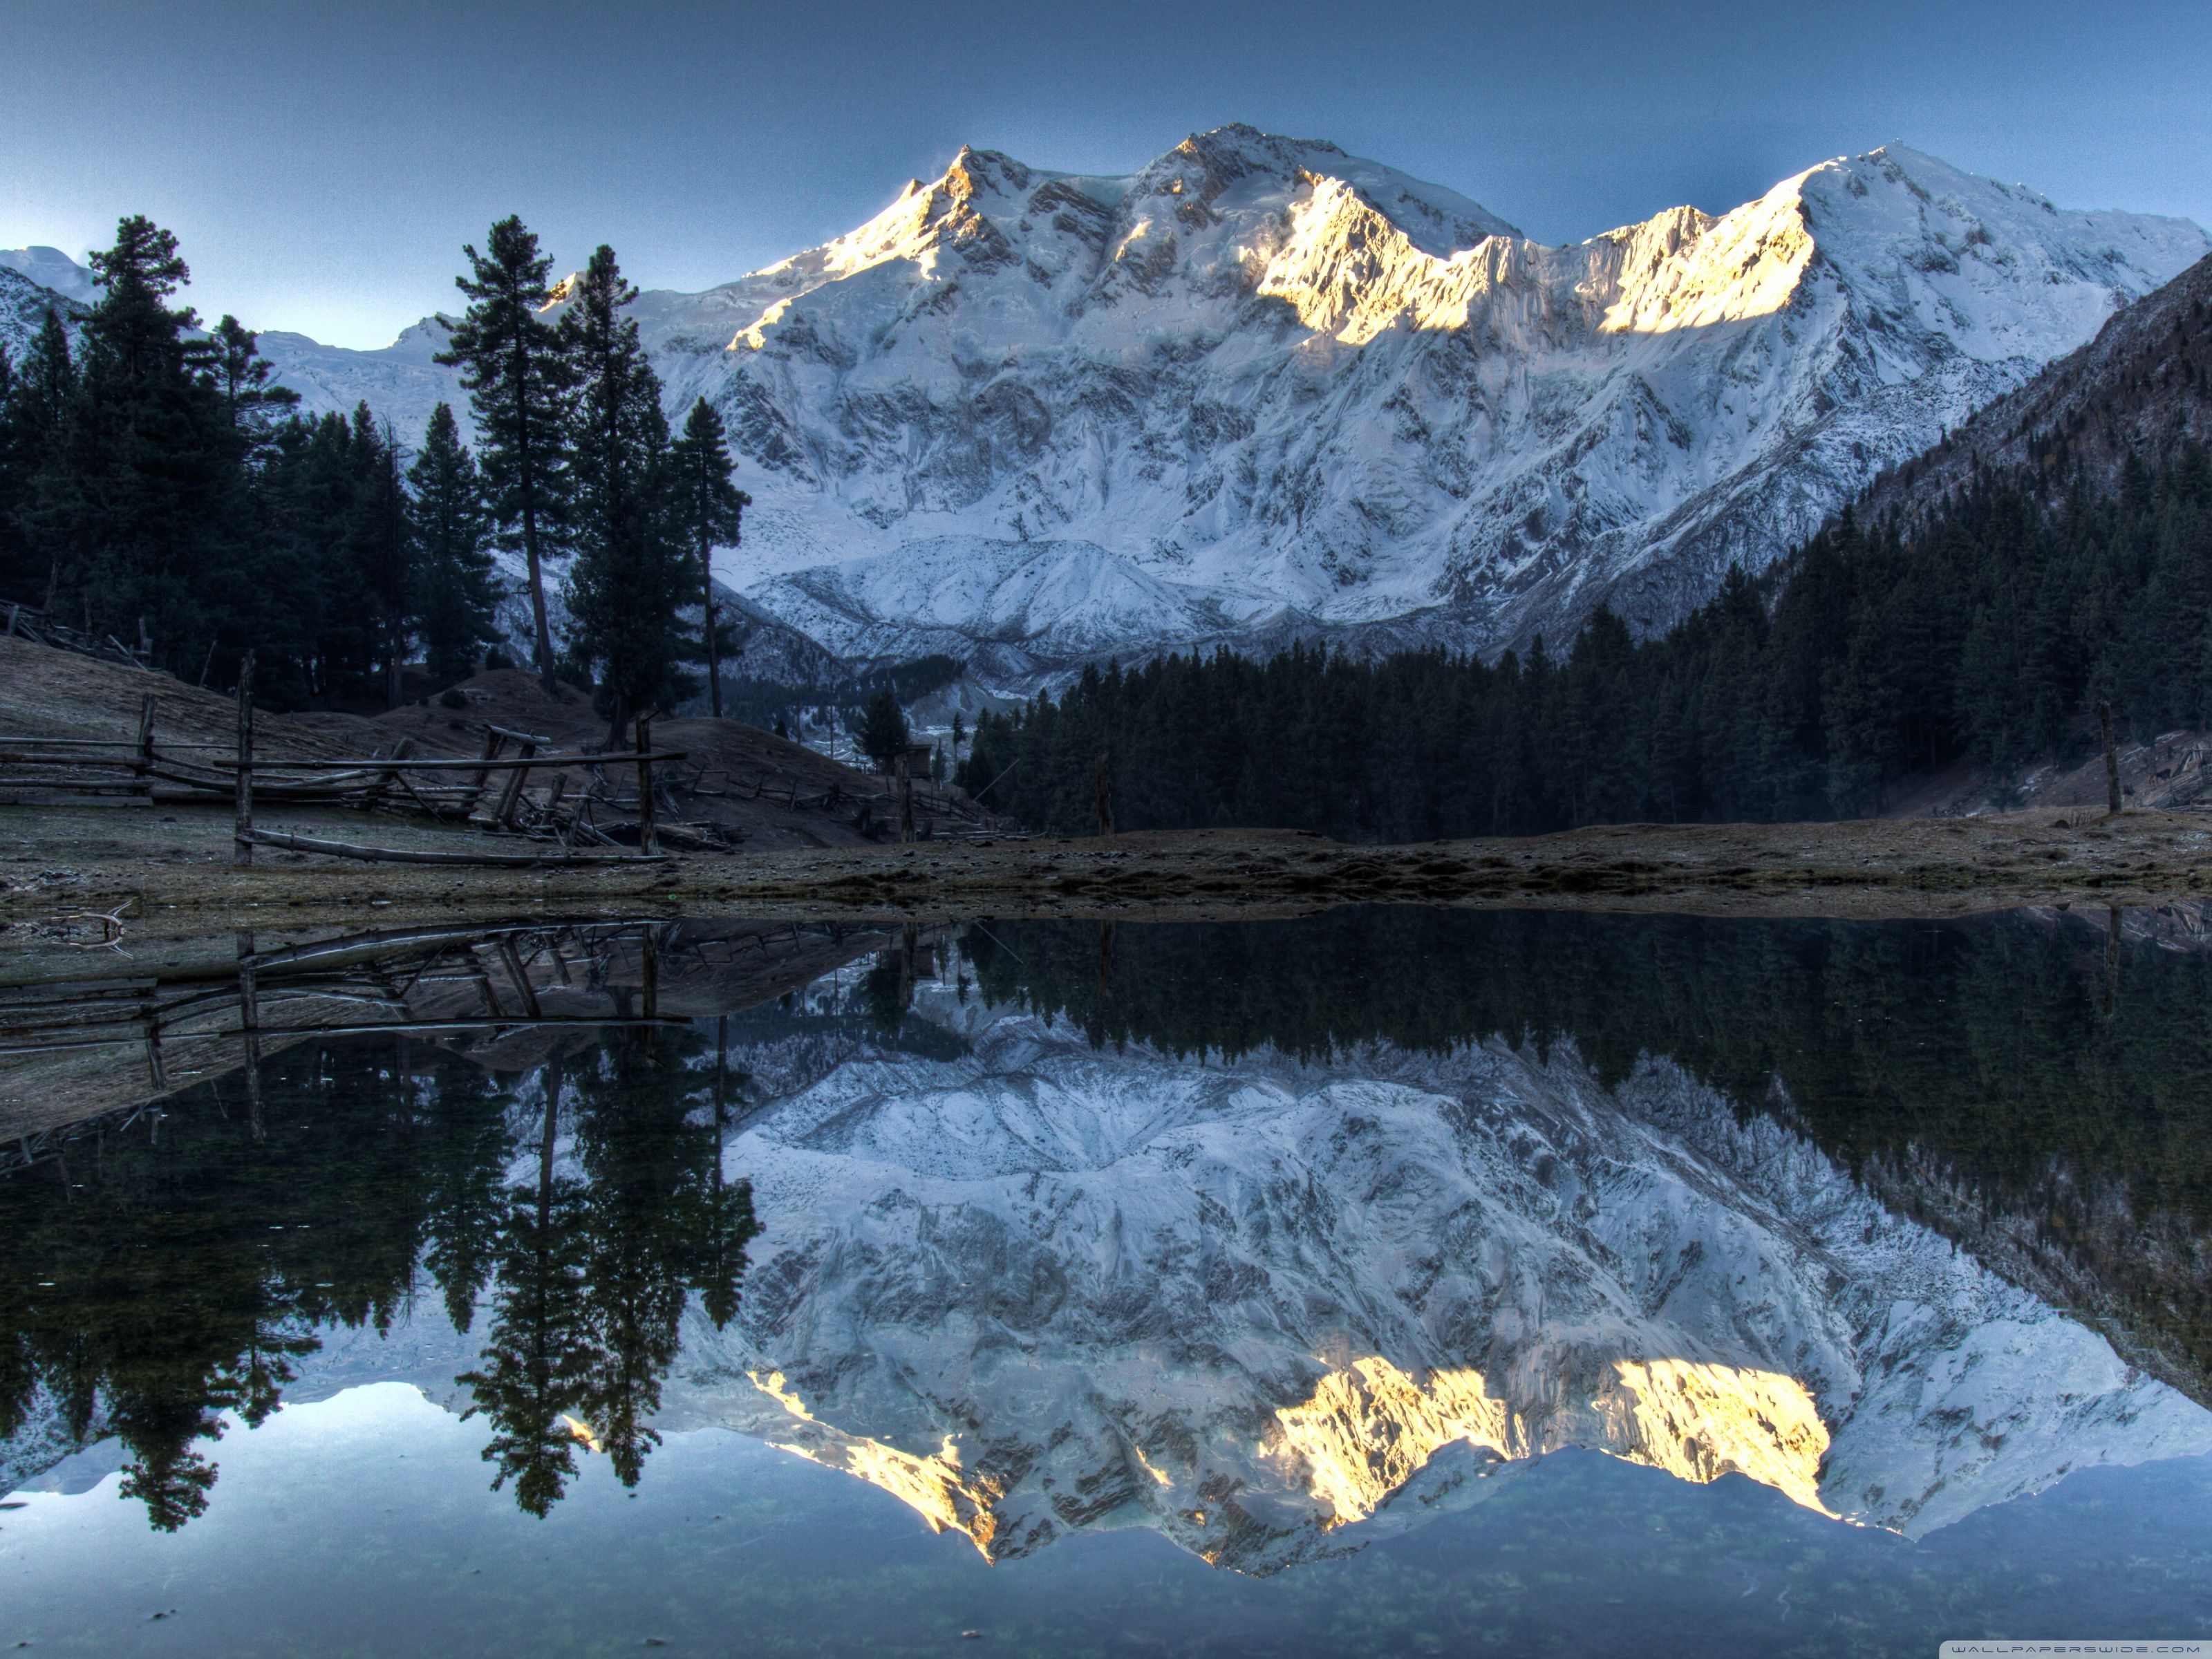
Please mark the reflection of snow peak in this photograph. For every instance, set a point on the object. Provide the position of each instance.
(933, 1486)
(1370, 1428)
(1270, 1309)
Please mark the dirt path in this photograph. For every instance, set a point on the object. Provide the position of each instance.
(58, 865)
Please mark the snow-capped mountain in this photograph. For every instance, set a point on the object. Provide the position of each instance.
(1270, 1309)
(1263, 388)
(32, 281)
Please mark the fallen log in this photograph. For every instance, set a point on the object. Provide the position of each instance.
(346, 849)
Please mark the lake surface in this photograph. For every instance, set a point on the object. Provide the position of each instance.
(1387, 1282)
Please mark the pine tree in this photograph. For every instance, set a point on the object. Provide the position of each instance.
(882, 730)
(37, 399)
(142, 487)
(231, 356)
(710, 510)
(378, 538)
(519, 372)
(454, 596)
(632, 575)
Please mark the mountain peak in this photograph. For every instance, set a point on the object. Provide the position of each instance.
(51, 268)
(1436, 219)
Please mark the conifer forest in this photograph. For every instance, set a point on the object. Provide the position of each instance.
(156, 487)
(1994, 634)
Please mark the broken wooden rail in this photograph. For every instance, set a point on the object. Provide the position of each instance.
(444, 789)
(487, 860)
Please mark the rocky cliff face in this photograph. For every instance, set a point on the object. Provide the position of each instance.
(32, 281)
(1262, 389)
(1269, 1310)
(2142, 388)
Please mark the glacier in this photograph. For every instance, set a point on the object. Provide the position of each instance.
(1261, 390)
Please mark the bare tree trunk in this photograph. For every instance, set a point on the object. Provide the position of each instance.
(1105, 796)
(713, 643)
(542, 647)
(617, 719)
(647, 840)
(547, 1137)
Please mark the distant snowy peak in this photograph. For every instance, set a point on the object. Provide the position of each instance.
(51, 268)
(987, 209)
(33, 281)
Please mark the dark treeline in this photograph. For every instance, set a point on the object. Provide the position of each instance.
(2044, 1071)
(156, 487)
(776, 705)
(1991, 636)
(152, 1280)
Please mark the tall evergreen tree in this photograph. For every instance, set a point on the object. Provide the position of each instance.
(232, 357)
(41, 396)
(519, 371)
(140, 493)
(378, 537)
(883, 734)
(710, 511)
(455, 594)
(632, 575)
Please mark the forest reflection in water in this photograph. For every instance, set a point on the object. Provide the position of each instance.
(2036, 1086)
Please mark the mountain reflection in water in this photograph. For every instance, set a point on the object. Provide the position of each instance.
(1272, 1238)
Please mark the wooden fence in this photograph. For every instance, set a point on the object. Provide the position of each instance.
(29, 622)
(489, 793)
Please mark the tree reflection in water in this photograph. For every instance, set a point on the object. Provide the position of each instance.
(151, 1282)
(596, 1267)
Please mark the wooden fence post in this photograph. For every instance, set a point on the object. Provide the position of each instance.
(493, 743)
(510, 797)
(146, 745)
(2112, 762)
(249, 1023)
(384, 779)
(648, 840)
(242, 847)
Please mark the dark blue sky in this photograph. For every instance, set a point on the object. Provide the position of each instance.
(323, 162)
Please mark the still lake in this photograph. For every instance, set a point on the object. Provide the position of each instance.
(1390, 1281)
